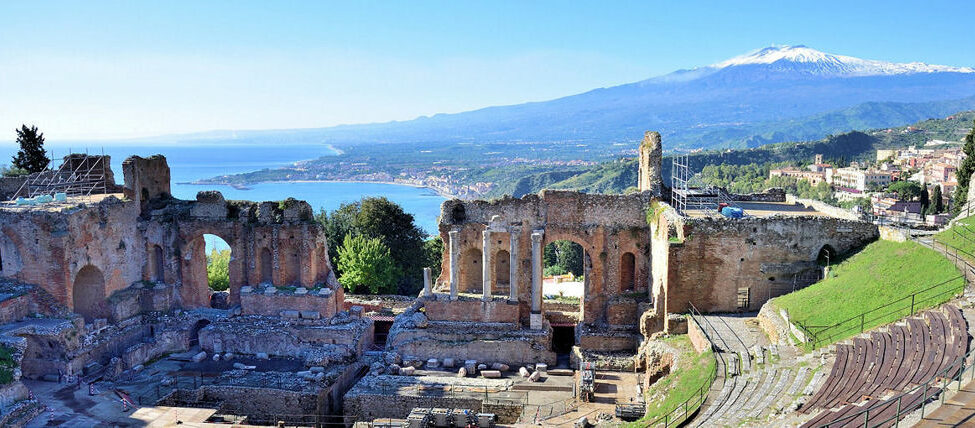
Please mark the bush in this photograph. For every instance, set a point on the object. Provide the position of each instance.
(366, 264)
(218, 270)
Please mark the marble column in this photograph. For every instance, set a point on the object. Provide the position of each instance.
(454, 250)
(427, 287)
(486, 265)
(513, 267)
(536, 314)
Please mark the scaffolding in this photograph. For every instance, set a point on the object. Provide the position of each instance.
(687, 194)
(79, 175)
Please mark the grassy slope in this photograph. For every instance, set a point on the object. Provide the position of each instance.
(960, 236)
(682, 383)
(881, 273)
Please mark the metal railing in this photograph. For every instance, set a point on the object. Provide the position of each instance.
(687, 408)
(905, 404)
(817, 336)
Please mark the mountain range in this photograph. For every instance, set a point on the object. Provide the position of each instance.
(775, 94)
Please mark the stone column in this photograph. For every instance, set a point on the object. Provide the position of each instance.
(486, 264)
(454, 250)
(513, 267)
(427, 289)
(536, 315)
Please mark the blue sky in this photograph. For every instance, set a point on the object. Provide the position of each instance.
(120, 69)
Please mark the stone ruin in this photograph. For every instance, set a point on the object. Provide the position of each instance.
(100, 288)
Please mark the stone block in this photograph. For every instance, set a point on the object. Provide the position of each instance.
(542, 367)
(216, 357)
(355, 312)
(420, 320)
(228, 356)
(471, 366)
(433, 363)
(325, 292)
(262, 356)
(199, 357)
(310, 315)
(301, 291)
(535, 376)
(491, 374)
(448, 363)
(246, 289)
(462, 372)
(392, 358)
(270, 290)
(482, 367)
(523, 372)
(500, 367)
(289, 314)
(138, 368)
(317, 369)
(535, 321)
(406, 371)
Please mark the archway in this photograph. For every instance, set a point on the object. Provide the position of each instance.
(195, 332)
(157, 264)
(627, 272)
(563, 270)
(471, 276)
(291, 268)
(218, 257)
(826, 256)
(266, 263)
(88, 294)
(502, 272)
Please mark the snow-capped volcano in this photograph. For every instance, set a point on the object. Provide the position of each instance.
(812, 61)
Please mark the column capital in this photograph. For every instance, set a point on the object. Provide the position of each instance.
(537, 235)
(452, 233)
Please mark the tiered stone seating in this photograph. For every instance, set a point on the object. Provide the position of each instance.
(887, 363)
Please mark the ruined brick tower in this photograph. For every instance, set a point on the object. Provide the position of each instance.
(649, 158)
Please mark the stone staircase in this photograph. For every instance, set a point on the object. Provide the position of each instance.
(769, 388)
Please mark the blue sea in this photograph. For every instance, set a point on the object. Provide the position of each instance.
(189, 163)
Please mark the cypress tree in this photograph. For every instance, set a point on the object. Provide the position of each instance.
(31, 157)
(964, 173)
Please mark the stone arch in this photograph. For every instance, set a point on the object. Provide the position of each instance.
(471, 276)
(627, 272)
(88, 293)
(157, 264)
(826, 255)
(266, 266)
(195, 332)
(502, 271)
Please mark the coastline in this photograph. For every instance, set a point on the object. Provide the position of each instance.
(439, 192)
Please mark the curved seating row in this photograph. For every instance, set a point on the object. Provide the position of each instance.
(887, 363)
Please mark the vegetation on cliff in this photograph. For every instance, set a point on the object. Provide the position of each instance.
(684, 381)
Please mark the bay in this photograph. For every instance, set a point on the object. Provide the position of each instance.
(188, 163)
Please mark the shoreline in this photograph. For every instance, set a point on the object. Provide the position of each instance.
(440, 193)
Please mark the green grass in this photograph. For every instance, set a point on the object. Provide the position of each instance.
(882, 273)
(684, 382)
(7, 364)
(960, 236)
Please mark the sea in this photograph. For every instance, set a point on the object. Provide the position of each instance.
(189, 163)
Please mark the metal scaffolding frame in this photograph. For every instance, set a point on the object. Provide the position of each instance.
(84, 177)
(687, 194)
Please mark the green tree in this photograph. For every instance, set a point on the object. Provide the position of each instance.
(380, 218)
(905, 190)
(925, 199)
(433, 248)
(31, 157)
(964, 173)
(937, 201)
(367, 266)
(218, 270)
(563, 256)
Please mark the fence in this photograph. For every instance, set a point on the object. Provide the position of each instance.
(686, 409)
(817, 336)
(906, 403)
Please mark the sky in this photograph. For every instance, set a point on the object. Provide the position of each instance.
(99, 70)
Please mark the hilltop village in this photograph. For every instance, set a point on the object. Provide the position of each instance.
(688, 313)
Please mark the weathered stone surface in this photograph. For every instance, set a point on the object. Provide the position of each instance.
(420, 320)
(262, 356)
(392, 358)
(433, 363)
(462, 372)
(310, 315)
(406, 371)
(523, 372)
(500, 367)
(535, 376)
(199, 357)
(650, 155)
(448, 363)
(542, 367)
(491, 374)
